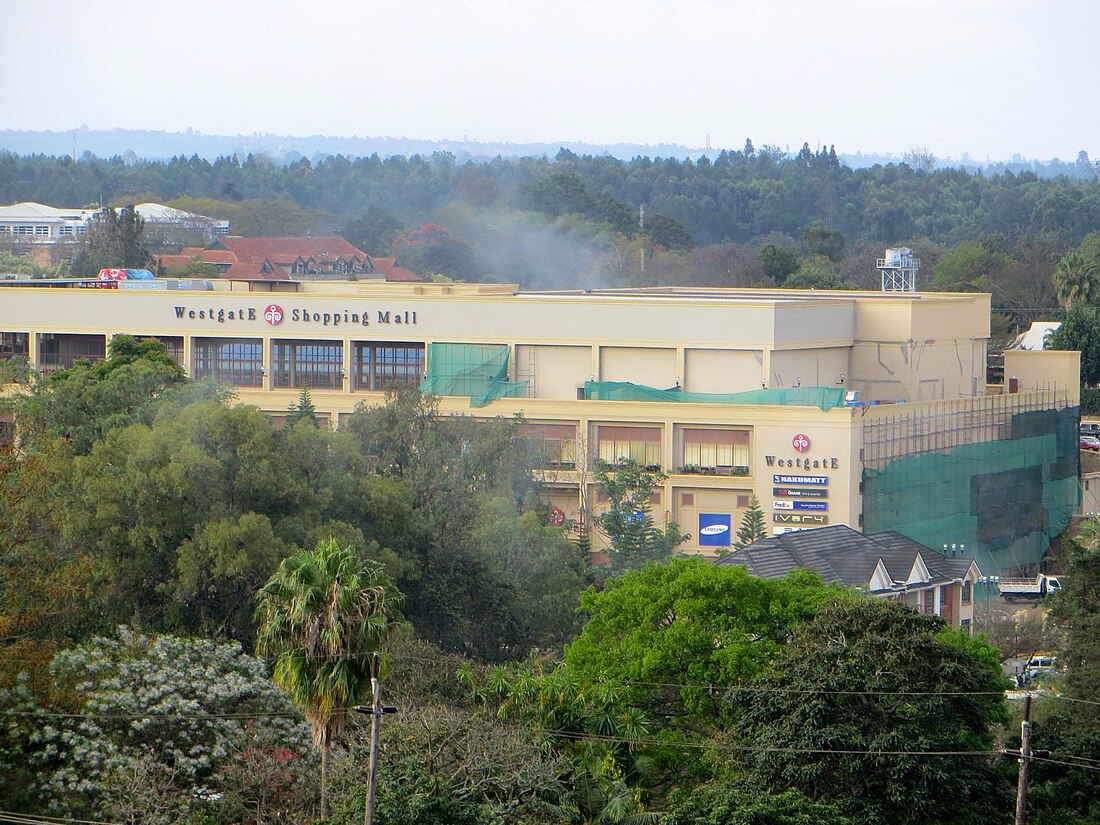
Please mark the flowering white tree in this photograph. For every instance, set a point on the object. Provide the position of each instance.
(151, 722)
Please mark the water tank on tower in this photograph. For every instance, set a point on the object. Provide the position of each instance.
(899, 270)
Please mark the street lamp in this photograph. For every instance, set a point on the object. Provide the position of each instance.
(989, 583)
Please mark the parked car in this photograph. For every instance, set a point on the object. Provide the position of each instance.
(1090, 442)
(1039, 665)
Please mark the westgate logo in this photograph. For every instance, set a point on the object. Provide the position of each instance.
(273, 314)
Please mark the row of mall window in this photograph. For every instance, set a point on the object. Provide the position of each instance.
(298, 364)
(703, 451)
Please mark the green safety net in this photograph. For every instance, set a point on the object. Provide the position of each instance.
(823, 397)
(1005, 500)
(478, 371)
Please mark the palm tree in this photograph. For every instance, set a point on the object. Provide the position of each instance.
(321, 616)
(1075, 279)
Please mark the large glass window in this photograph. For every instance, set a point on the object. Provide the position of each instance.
(639, 444)
(378, 366)
(308, 364)
(715, 452)
(15, 344)
(556, 443)
(60, 351)
(237, 361)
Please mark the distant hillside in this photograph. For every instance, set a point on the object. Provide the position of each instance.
(150, 145)
(136, 144)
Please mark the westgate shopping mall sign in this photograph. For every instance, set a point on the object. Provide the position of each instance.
(275, 315)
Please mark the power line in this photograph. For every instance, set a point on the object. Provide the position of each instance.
(35, 819)
(1066, 764)
(758, 748)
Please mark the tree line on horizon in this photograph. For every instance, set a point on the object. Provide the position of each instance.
(576, 220)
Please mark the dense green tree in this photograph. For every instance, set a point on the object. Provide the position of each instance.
(779, 263)
(84, 402)
(14, 262)
(1080, 330)
(681, 634)
(734, 804)
(627, 522)
(319, 618)
(818, 239)
(669, 233)
(1076, 610)
(589, 724)
(539, 563)
(1067, 723)
(459, 595)
(373, 231)
(268, 216)
(969, 267)
(815, 272)
(114, 239)
(432, 250)
(877, 684)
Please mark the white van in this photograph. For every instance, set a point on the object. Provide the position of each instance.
(1039, 665)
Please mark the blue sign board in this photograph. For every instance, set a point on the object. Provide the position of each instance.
(805, 481)
(714, 529)
(811, 505)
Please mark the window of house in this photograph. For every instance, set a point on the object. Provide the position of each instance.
(237, 361)
(639, 444)
(687, 499)
(715, 452)
(928, 602)
(15, 344)
(966, 592)
(556, 443)
(307, 364)
(378, 366)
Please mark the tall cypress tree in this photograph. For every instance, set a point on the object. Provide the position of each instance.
(752, 524)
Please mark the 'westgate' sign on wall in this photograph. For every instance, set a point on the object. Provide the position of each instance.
(274, 315)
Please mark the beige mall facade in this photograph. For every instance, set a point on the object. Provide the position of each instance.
(347, 342)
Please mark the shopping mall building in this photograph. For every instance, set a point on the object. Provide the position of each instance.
(868, 409)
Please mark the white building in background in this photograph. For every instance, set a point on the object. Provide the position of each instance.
(38, 223)
(48, 233)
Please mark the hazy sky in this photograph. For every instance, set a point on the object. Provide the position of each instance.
(988, 77)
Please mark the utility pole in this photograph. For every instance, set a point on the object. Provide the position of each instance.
(375, 710)
(641, 225)
(1025, 757)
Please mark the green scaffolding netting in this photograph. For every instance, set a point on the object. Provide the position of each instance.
(478, 371)
(1005, 500)
(824, 397)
